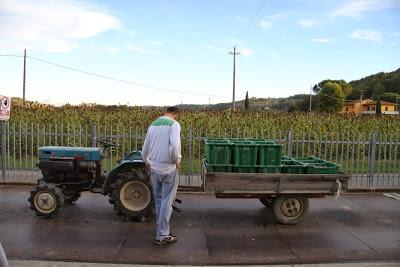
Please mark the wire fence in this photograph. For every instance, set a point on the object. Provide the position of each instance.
(372, 160)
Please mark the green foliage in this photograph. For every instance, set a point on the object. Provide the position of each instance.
(247, 102)
(377, 84)
(390, 97)
(345, 87)
(331, 97)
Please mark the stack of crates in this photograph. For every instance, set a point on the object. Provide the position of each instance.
(309, 165)
(242, 155)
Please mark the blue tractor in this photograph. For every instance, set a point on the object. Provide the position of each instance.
(68, 171)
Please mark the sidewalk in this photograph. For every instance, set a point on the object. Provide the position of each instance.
(354, 228)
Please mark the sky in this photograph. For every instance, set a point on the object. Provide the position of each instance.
(167, 52)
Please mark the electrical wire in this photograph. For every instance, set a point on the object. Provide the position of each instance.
(254, 17)
(115, 79)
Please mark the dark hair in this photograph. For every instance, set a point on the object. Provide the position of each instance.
(172, 110)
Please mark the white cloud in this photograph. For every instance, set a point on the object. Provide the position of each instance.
(323, 40)
(307, 23)
(141, 50)
(110, 49)
(366, 34)
(396, 34)
(266, 25)
(246, 52)
(357, 8)
(51, 25)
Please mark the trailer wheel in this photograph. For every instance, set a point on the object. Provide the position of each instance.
(46, 199)
(290, 209)
(132, 197)
(267, 201)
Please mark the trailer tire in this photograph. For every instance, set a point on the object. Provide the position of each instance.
(290, 209)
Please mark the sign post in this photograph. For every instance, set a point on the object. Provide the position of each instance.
(5, 108)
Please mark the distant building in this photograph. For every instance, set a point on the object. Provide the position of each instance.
(368, 106)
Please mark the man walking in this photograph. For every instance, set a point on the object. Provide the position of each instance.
(162, 154)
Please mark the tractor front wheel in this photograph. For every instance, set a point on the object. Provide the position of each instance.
(46, 199)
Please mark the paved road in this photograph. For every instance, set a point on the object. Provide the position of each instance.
(354, 228)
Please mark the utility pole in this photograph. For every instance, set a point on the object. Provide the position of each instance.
(310, 97)
(23, 85)
(234, 53)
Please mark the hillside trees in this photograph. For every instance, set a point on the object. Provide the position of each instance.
(331, 97)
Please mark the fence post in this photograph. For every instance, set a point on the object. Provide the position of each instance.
(289, 143)
(93, 135)
(190, 153)
(4, 150)
(371, 160)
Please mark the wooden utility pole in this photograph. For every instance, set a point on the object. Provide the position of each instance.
(23, 86)
(234, 53)
(310, 97)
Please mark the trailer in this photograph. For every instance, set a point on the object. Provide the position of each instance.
(286, 194)
(257, 168)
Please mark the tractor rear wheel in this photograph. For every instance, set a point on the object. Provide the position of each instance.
(46, 199)
(133, 197)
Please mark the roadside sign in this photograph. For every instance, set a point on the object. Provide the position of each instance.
(5, 107)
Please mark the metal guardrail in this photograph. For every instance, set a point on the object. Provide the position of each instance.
(372, 160)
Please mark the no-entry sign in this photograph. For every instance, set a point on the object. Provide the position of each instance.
(5, 107)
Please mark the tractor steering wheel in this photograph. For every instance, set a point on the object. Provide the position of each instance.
(106, 143)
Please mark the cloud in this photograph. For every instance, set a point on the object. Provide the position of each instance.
(110, 49)
(323, 40)
(246, 52)
(266, 25)
(357, 8)
(54, 26)
(366, 34)
(140, 49)
(307, 23)
(396, 34)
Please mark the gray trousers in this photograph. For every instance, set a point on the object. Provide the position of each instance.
(3, 258)
(164, 191)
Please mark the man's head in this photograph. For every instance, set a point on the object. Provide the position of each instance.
(172, 112)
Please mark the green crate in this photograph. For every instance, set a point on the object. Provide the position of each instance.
(293, 167)
(219, 167)
(268, 169)
(245, 169)
(244, 153)
(268, 154)
(323, 168)
(218, 152)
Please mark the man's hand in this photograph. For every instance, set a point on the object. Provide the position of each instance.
(148, 169)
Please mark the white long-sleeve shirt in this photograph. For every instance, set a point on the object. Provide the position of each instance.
(162, 145)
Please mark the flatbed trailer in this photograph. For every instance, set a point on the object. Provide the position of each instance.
(286, 194)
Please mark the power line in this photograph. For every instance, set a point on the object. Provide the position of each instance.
(254, 17)
(114, 79)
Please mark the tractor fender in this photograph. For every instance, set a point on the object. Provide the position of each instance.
(137, 167)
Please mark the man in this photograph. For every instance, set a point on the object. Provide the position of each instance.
(162, 154)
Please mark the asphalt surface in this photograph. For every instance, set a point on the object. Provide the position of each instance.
(354, 228)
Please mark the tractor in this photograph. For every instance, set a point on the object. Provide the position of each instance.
(68, 171)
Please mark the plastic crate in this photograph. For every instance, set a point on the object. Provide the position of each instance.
(294, 167)
(268, 153)
(218, 152)
(245, 169)
(316, 165)
(323, 168)
(244, 153)
(268, 169)
(219, 167)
